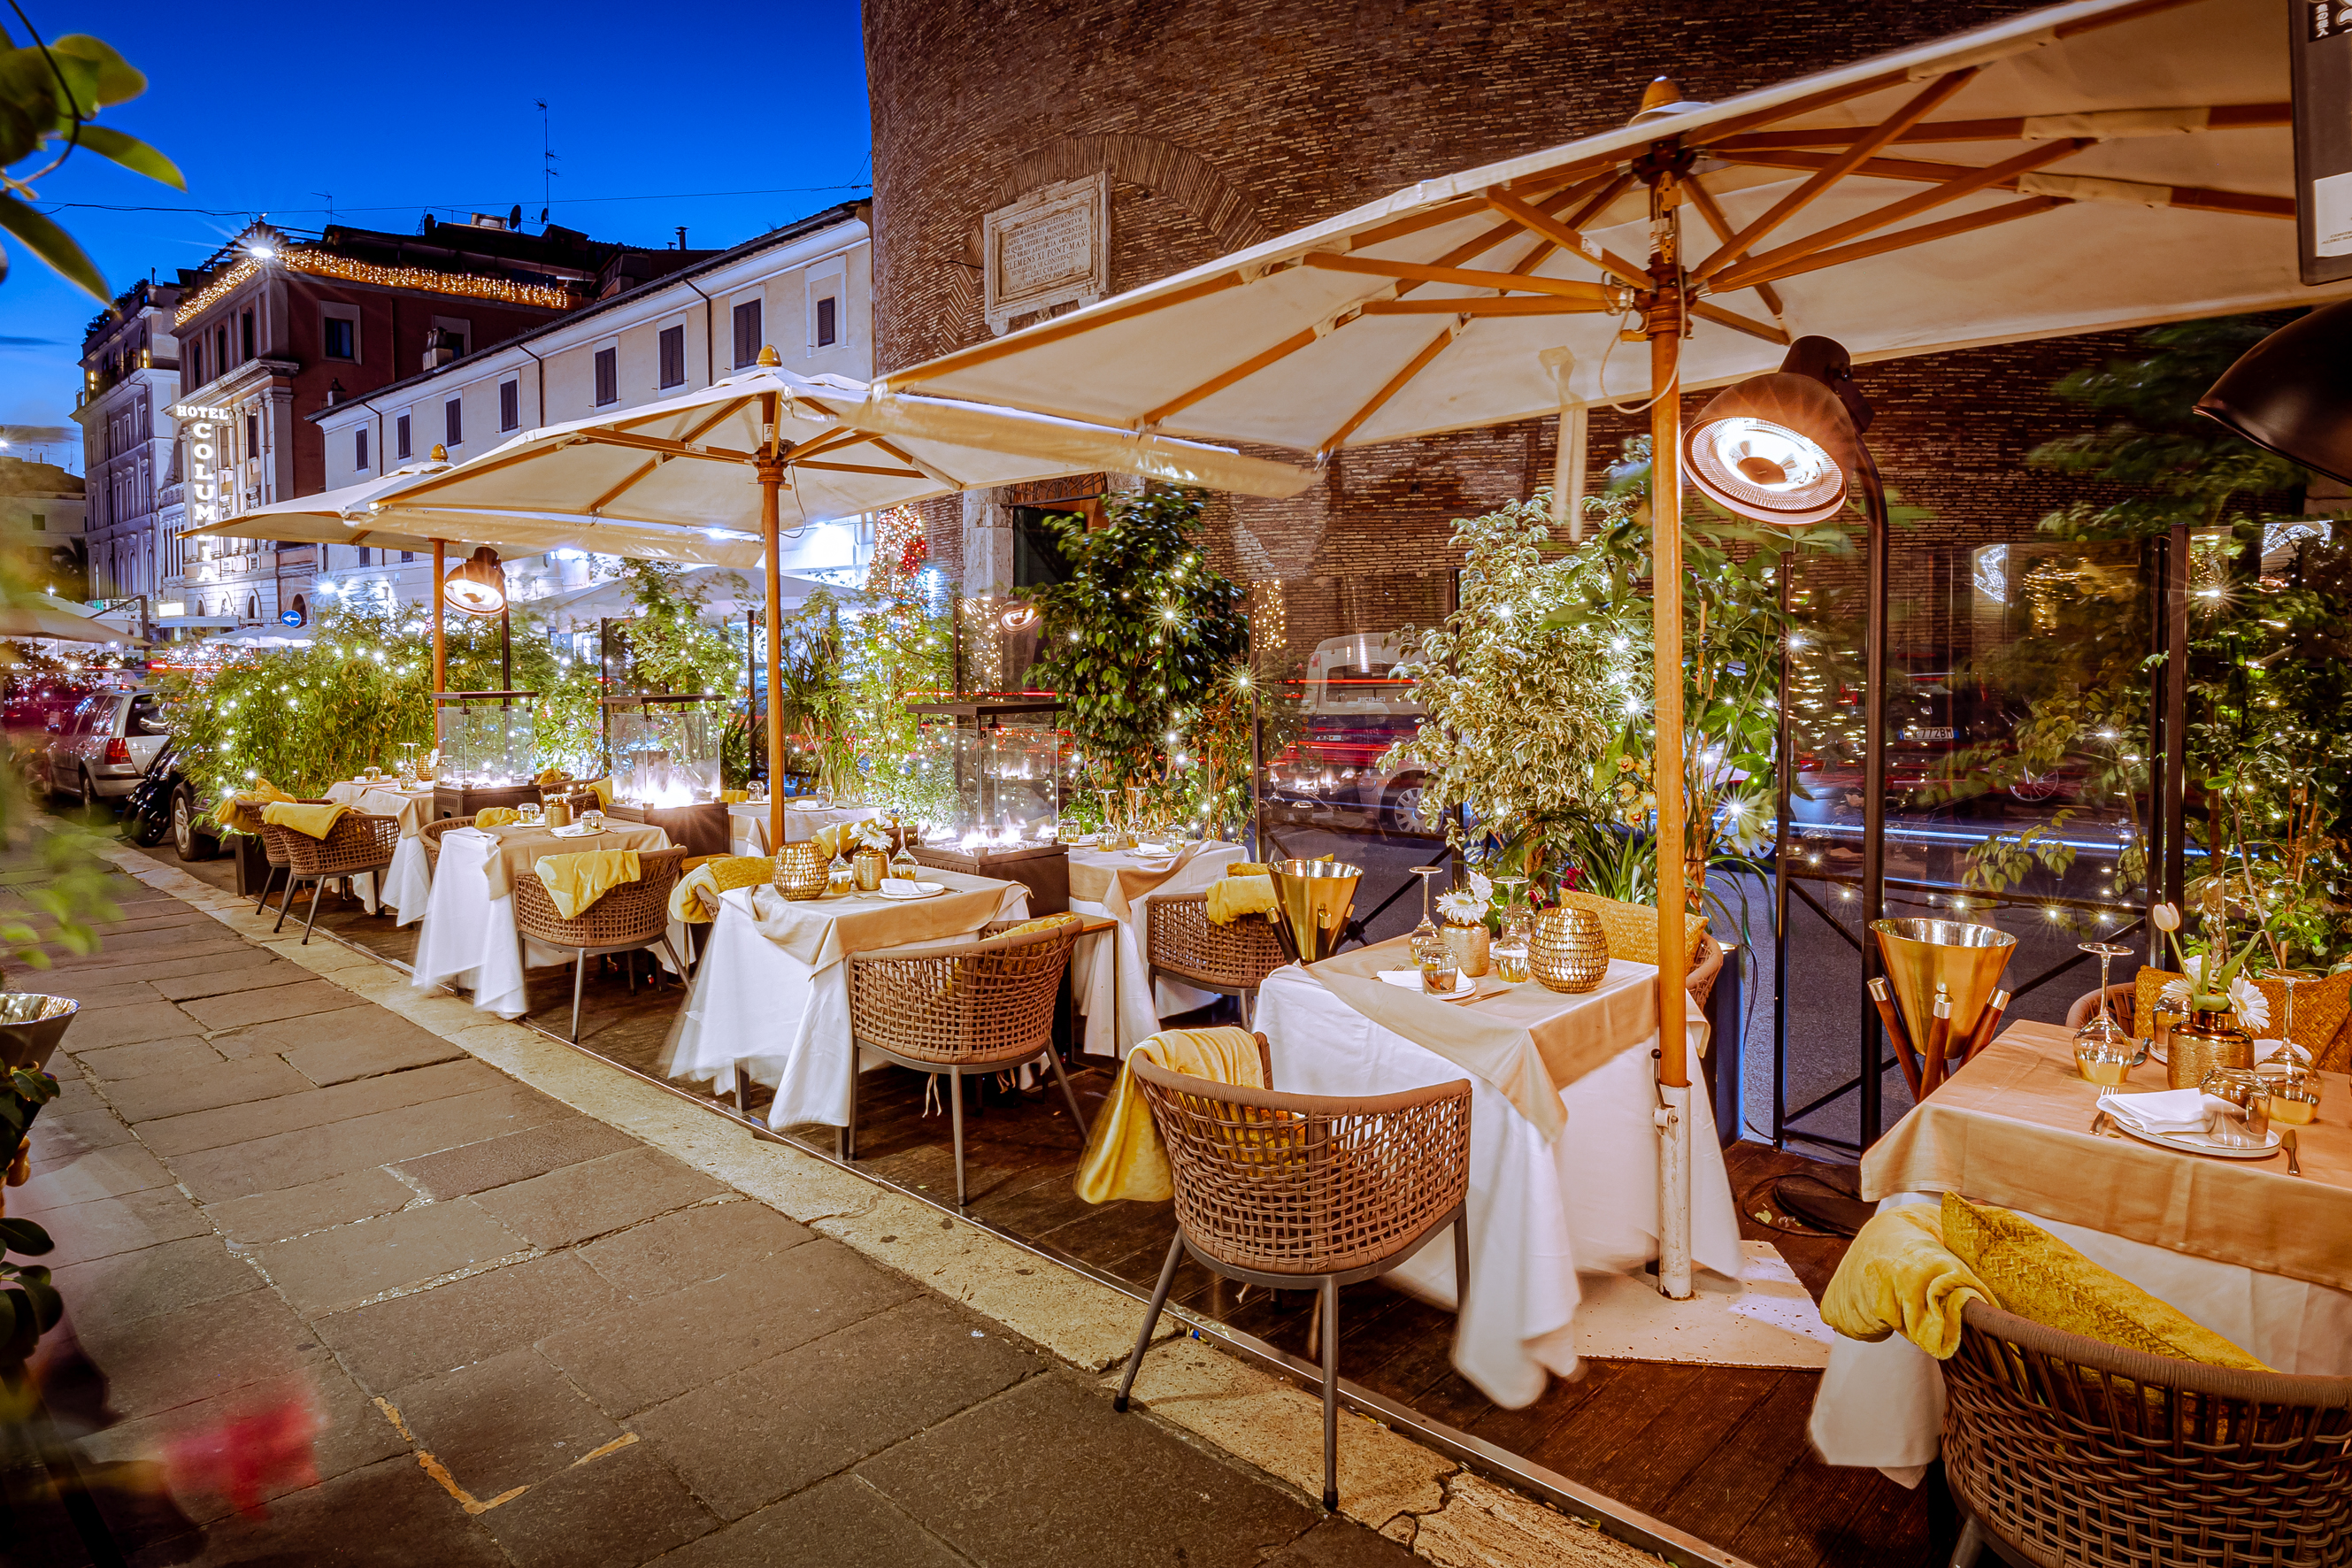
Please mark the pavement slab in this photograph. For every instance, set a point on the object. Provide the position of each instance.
(595, 1197)
(204, 1085)
(349, 1265)
(507, 1421)
(314, 1205)
(859, 1526)
(397, 1342)
(623, 1508)
(690, 1245)
(495, 1161)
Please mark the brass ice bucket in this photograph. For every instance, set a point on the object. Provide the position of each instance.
(1964, 960)
(1312, 900)
(31, 1025)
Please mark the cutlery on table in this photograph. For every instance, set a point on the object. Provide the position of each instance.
(2286, 1140)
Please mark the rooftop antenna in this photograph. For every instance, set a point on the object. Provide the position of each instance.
(547, 169)
(329, 198)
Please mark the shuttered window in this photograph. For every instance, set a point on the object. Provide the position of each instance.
(608, 376)
(673, 356)
(747, 334)
(509, 406)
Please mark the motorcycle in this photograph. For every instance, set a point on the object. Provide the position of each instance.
(147, 809)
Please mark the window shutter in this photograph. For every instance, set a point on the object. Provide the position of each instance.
(826, 325)
(453, 418)
(673, 356)
(747, 333)
(608, 376)
(509, 406)
(358, 447)
(400, 430)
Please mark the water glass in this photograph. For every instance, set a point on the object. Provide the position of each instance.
(2291, 1090)
(1510, 962)
(1439, 970)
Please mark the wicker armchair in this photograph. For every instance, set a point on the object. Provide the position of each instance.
(1182, 942)
(980, 1006)
(1292, 1190)
(632, 916)
(356, 844)
(2064, 1450)
(431, 834)
(273, 852)
(2123, 1006)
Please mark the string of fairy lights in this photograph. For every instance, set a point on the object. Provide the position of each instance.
(325, 264)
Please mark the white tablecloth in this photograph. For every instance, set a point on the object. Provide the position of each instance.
(1139, 1007)
(469, 939)
(786, 1023)
(1538, 1214)
(747, 822)
(1883, 1405)
(407, 885)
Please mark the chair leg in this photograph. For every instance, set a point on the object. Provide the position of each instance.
(317, 888)
(286, 905)
(269, 881)
(1150, 1319)
(1461, 1260)
(955, 1116)
(1971, 1544)
(579, 982)
(1248, 999)
(1068, 1093)
(1330, 1395)
(682, 971)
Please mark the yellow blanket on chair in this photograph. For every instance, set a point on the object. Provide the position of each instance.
(695, 898)
(576, 881)
(1899, 1277)
(242, 811)
(1124, 1157)
(315, 821)
(1230, 897)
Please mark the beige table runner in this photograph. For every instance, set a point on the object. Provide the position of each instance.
(414, 807)
(2012, 1128)
(1528, 1042)
(1115, 878)
(520, 848)
(821, 932)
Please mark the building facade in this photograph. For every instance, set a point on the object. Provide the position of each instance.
(805, 289)
(42, 513)
(130, 382)
(274, 328)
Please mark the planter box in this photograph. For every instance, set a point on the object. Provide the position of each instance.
(465, 800)
(1044, 869)
(252, 865)
(701, 828)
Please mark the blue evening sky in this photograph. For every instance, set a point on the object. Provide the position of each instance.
(653, 111)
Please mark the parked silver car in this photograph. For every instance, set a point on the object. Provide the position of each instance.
(98, 748)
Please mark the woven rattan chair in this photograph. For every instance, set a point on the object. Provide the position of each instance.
(2123, 1006)
(356, 844)
(1182, 942)
(431, 834)
(273, 852)
(2062, 1450)
(629, 917)
(980, 1006)
(1294, 1191)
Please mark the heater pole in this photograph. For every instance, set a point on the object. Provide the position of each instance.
(440, 654)
(771, 482)
(1663, 323)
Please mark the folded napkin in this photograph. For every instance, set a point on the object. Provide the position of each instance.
(902, 887)
(696, 897)
(315, 821)
(576, 881)
(1124, 1157)
(1230, 897)
(497, 816)
(1899, 1277)
(2172, 1110)
(807, 803)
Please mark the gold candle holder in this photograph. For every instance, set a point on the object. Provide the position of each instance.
(1570, 951)
(801, 871)
(866, 867)
(2207, 1041)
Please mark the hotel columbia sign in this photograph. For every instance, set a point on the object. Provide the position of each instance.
(1051, 248)
(207, 498)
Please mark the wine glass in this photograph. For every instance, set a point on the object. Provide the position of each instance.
(1510, 949)
(2288, 980)
(2104, 1049)
(1428, 926)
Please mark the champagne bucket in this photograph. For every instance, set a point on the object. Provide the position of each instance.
(1312, 900)
(1964, 960)
(31, 1025)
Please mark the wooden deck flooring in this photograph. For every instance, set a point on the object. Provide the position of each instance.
(1718, 1452)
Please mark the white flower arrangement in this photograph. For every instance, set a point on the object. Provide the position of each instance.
(2253, 1008)
(873, 833)
(1467, 904)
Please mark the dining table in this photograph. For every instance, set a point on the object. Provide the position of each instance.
(407, 885)
(747, 823)
(1564, 1150)
(771, 997)
(470, 940)
(2249, 1248)
(1109, 971)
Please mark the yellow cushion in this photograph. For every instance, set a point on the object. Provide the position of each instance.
(242, 811)
(1124, 1156)
(576, 881)
(1633, 928)
(2036, 1276)
(315, 821)
(1044, 923)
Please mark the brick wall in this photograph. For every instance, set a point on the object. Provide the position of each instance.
(1224, 121)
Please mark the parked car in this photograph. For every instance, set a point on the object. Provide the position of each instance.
(1355, 701)
(101, 750)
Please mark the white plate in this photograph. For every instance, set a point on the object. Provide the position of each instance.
(923, 890)
(577, 830)
(2200, 1142)
(1410, 979)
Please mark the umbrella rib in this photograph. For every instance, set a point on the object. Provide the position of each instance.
(2221, 117)
(2003, 175)
(1835, 167)
(2246, 204)
(1248, 367)
(935, 474)
(831, 440)
(1423, 272)
(1542, 188)
(1056, 330)
(609, 497)
(1396, 384)
(663, 444)
(1902, 239)
(1514, 305)
(1712, 211)
(859, 468)
(1737, 322)
(1562, 236)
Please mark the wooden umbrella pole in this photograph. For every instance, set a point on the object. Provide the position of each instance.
(771, 483)
(440, 651)
(1663, 325)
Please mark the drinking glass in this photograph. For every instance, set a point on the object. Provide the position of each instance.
(1439, 970)
(2288, 980)
(592, 820)
(1428, 926)
(2104, 1049)
(2292, 1091)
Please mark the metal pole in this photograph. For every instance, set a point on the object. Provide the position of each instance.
(505, 651)
(1874, 789)
(1785, 767)
(771, 482)
(2174, 691)
(1663, 325)
(440, 659)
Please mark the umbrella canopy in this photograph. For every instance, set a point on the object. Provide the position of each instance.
(38, 620)
(727, 594)
(2084, 167)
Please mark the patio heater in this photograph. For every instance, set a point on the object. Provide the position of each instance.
(2287, 394)
(485, 754)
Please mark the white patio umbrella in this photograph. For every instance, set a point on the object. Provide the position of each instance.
(2084, 167)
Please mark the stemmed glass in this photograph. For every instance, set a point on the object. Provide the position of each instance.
(2104, 1049)
(1510, 950)
(2288, 980)
(1429, 943)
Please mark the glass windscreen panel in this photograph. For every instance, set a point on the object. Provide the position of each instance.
(665, 749)
(997, 782)
(485, 738)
